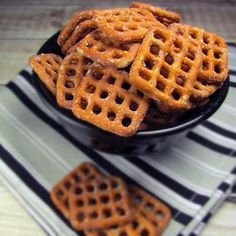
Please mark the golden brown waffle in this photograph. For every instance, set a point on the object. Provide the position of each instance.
(214, 69)
(47, 66)
(126, 24)
(73, 24)
(60, 192)
(79, 33)
(72, 71)
(165, 69)
(139, 226)
(97, 48)
(162, 15)
(99, 204)
(151, 208)
(106, 99)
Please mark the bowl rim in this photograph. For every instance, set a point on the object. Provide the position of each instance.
(210, 108)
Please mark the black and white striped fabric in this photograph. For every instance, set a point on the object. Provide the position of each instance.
(193, 177)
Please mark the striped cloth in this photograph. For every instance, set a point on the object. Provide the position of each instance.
(193, 177)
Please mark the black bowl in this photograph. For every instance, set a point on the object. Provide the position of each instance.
(157, 139)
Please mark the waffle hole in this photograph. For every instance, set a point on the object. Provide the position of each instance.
(126, 122)
(114, 184)
(159, 36)
(169, 59)
(104, 94)
(92, 201)
(123, 233)
(155, 49)
(205, 39)
(104, 199)
(49, 62)
(66, 203)
(120, 211)
(140, 94)
(69, 97)
(175, 94)
(143, 75)
(90, 188)
(205, 65)
(218, 43)
(90, 88)
(101, 49)
(164, 72)
(97, 75)
(135, 224)
(149, 206)
(97, 110)
(193, 35)
(103, 186)
(180, 80)
(94, 215)
(185, 67)
(117, 197)
(110, 20)
(73, 61)
(190, 55)
(87, 61)
(117, 55)
(133, 106)
(217, 54)
(119, 29)
(159, 215)
(177, 46)
(144, 232)
(148, 64)
(217, 69)
(88, 44)
(83, 103)
(111, 80)
(60, 194)
(107, 213)
(67, 185)
(78, 191)
(205, 51)
(111, 115)
(126, 85)
(137, 19)
(160, 86)
(85, 171)
(119, 99)
(50, 72)
(137, 199)
(79, 203)
(69, 84)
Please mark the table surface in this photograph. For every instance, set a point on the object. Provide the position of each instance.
(26, 24)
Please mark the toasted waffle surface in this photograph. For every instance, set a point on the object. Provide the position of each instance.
(166, 68)
(164, 16)
(47, 66)
(126, 25)
(99, 204)
(105, 52)
(60, 192)
(106, 99)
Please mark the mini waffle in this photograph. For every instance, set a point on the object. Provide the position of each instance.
(151, 208)
(165, 69)
(139, 226)
(74, 23)
(106, 99)
(60, 192)
(99, 204)
(98, 49)
(73, 70)
(162, 15)
(214, 51)
(47, 66)
(126, 25)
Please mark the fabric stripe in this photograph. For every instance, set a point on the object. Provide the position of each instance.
(164, 179)
(219, 130)
(232, 84)
(27, 76)
(30, 181)
(232, 72)
(209, 144)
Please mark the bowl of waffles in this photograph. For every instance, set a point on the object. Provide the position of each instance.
(131, 80)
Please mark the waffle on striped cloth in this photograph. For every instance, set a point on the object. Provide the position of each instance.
(47, 68)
